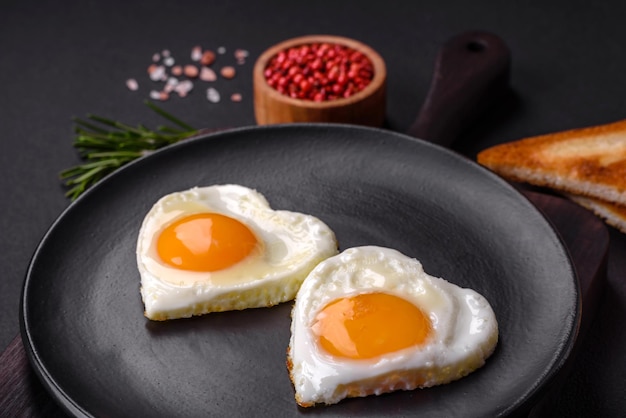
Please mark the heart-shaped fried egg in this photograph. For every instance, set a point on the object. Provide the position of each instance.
(223, 247)
(371, 321)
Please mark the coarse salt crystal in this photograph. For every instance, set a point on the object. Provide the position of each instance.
(170, 84)
(241, 54)
(183, 88)
(165, 69)
(207, 74)
(177, 70)
(208, 58)
(156, 72)
(228, 72)
(212, 95)
(196, 53)
(159, 95)
(132, 84)
(190, 71)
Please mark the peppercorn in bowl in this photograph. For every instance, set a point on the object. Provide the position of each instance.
(320, 78)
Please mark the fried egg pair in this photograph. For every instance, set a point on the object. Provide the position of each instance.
(371, 320)
(223, 247)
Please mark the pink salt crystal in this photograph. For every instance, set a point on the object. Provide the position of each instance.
(207, 74)
(208, 58)
(236, 97)
(177, 70)
(241, 54)
(169, 61)
(170, 84)
(159, 95)
(156, 57)
(190, 71)
(196, 53)
(132, 85)
(156, 72)
(183, 88)
(212, 95)
(228, 72)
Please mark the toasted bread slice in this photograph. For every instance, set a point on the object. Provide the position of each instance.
(588, 161)
(613, 214)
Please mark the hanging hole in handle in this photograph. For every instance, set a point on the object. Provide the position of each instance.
(476, 45)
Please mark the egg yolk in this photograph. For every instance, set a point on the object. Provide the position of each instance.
(369, 325)
(205, 242)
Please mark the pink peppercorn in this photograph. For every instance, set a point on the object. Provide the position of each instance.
(319, 72)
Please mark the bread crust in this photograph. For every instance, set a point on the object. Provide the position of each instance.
(587, 161)
(611, 213)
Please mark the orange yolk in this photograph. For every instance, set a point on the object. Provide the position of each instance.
(205, 242)
(369, 325)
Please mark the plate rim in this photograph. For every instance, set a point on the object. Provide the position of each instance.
(73, 407)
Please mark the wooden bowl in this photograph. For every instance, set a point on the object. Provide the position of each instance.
(366, 107)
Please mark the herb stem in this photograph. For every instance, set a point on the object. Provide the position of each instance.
(85, 124)
(168, 116)
(106, 145)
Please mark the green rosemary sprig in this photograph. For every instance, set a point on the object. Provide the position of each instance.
(106, 145)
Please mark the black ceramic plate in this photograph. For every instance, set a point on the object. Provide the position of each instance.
(82, 316)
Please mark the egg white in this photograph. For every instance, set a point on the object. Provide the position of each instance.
(292, 244)
(465, 330)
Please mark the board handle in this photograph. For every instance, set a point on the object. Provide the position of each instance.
(471, 73)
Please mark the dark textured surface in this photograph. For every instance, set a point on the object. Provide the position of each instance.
(60, 61)
(372, 188)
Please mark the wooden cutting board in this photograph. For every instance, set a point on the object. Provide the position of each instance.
(471, 76)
